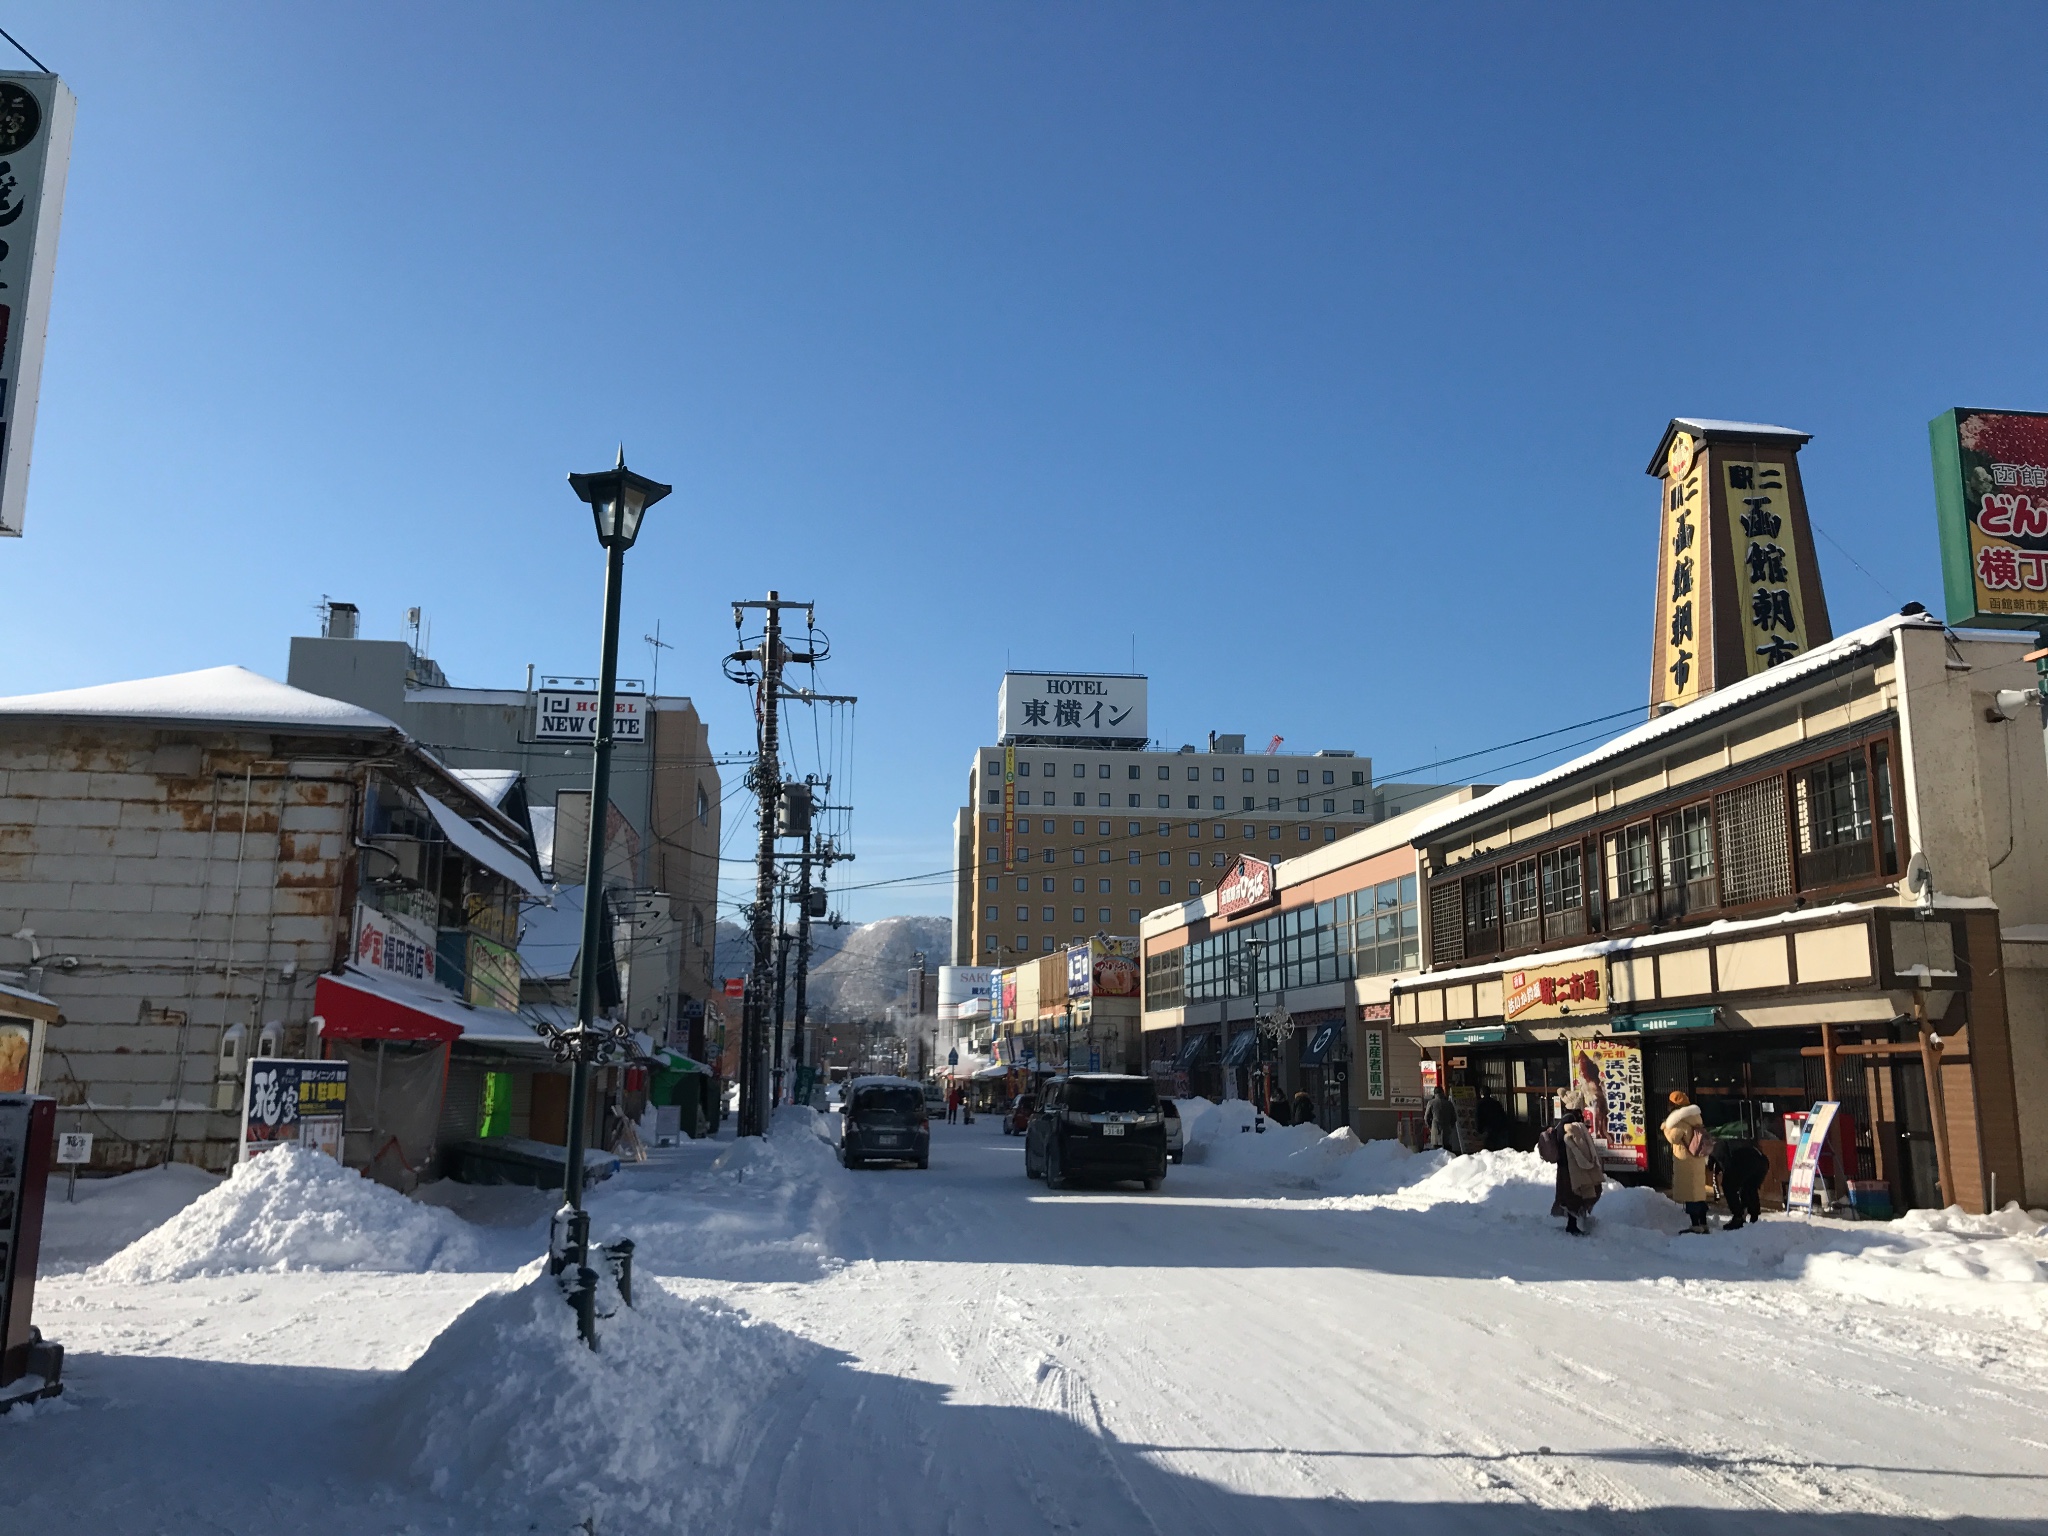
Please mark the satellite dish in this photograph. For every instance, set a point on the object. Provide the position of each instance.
(1919, 875)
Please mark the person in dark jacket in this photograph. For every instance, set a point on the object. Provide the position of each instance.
(1304, 1109)
(1742, 1170)
(1440, 1119)
(1490, 1117)
(1580, 1180)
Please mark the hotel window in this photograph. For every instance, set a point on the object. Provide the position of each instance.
(1631, 876)
(1194, 775)
(1134, 801)
(1080, 887)
(1102, 887)
(1215, 802)
(1272, 832)
(1165, 858)
(1080, 797)
(1052, 770)
(1358, 807)
(1194, 802)
(995, 767)
(1102, 770)
(1166, 802)
(1046, 944)
(995, 797)
(1104, 916)
(1357, 776)
(1272, 775)
(991, 914)
(993, 883)
(1023, 770)
(1081, 917)
(1103, 856)
(992, 944)
(1102, 802)
(995, 855)
(1024, 854)
(1521, 915)
(1165, 772)
(1023, 797)
(1051, 856)
(1216, 859)
(1131, 772)
(1080, 770)
(1248, 805)
(1194, 887)
(1135, 828)
(1249, 775)
(1564, 893)
(1272, 803)
(1301, 804)
(995, 823)
(1304, 833)
(1136, 915)
(1685, 859)
(1329, 834)
(1251, 831)
(1080, 855)
(1023, 914)
(1102, 829)
(1216, 774)
(1045, 885)
(1135, 856)
(1219, 830)
(1166, 829)
(1051, 914)
(1137, 887)
(1329, 807)
(1166, 887)
(1080, 829)
(1194, 857)
(1301, 775)
(1329, 776)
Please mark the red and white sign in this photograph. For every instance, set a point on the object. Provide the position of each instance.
(394, 945)
(1249, 884)
(735, 986)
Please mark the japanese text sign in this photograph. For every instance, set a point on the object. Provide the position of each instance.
(1553, 992)
(1991, 498)
(1249, 885)
(564, 716)
(392, 945)
(1051, 706)
(1766, 562)
(288, 1100)
(1610, 1076)
(1679, 628)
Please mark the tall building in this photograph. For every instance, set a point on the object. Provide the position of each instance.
(663, 824)
(1077, 823)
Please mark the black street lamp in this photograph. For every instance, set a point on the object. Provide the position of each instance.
(618, 499)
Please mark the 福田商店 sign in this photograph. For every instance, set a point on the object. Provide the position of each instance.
(1554, 991)
(1991, 501)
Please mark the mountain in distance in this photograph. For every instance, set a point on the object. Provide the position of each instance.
(857, 971)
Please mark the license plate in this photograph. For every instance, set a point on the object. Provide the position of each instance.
(1112, 1130)
(889, 1140)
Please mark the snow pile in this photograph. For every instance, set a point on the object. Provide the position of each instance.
(801, 1144)
(1497, 1183)
(1995, 1264)
(508, 1412)
(296, 1209)
(109, 1214)
(1379, 1168)
(1226, 1136)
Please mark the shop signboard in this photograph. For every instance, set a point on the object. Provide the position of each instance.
(1805, 1162)
(1490, 1036)
(392, 945)
(1103, 968)
(735, 986)
(493, 974)
(1375, 1064)
(1057, 706)
(36, 113)
(1554, 991)
(1249, 885)
(565, 709)
(20, 1063)
(1610, 1074)
(1668, 1022)
(961, 988)
(288, 1100)
(1991, 502)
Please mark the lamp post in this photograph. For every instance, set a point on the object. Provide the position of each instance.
(618, 499)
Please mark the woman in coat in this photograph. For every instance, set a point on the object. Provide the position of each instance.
(1579, 1179)
(1686, 1129)
(1303, 1108)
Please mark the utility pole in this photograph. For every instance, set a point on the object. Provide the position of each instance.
(771, 656)
(781, 980)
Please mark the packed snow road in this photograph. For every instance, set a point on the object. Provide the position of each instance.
(1289, 1337)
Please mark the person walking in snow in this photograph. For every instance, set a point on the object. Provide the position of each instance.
(952, 1106)
(1440, 1119)
(1304, 1108)
(1743, 1169)
(1490, 1118)
(1571, 1147)
(1686, 1129)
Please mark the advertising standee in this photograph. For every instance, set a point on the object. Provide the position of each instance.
(288, 1100)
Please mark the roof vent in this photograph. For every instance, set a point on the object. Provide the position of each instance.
(339, 621)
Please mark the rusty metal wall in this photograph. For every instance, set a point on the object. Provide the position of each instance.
(176, 884)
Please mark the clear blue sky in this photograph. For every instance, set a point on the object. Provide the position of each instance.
(1319, 348)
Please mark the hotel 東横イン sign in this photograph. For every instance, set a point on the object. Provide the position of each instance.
(1991, 495)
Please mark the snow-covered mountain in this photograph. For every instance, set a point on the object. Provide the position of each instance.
(857, 971)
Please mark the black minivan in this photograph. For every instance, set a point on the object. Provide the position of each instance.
(883, 1121)
(1096, 1125)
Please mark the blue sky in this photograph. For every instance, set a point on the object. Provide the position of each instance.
(1315, 351)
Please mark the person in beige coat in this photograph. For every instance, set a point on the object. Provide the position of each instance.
(1685, 1128)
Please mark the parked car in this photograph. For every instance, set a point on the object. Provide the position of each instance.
(1174, 1143)
(1097, 1125)
(884, 1121)
(934, 1098)
(1018, 1115)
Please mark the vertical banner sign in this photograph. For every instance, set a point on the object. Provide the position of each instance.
(36, 113)
(1009, 808)
(285, 1100)
(1375, 1065)
(1610, 1075)
(1991, 498)
(1813, 1136)
(1766, 562)
(1680, 629)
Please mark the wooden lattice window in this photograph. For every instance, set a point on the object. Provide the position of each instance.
(1755, 861)
(1447, 922)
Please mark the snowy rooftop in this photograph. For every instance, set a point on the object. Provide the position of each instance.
(1739, 428)
(490, 785)
(213, 696)
(1721, 701)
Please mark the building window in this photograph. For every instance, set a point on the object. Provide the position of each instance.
(1301, 775)
(1166, 802)
(1219, 830)
(1749, 828)
(1521, 914)
(1045, 885)
(1831, 809)
(1304, 833)
(1685, 859)
(995, 768)
(1136, 916)
(1194, 775)
(1051, 914)
(1563, 892)
(1102, 770)
(1329, 834)
(1102, 829)
(1102, 887)
(1023, 797)
(1131, 772)
(1194, 802)
(1216, 859)
(1329, 807)
(1080, 887)
(1134, 802)
(1166, 887)
(1052, 770)
(1216, 802)
(1046, 944)
(1137, 887)
(1104, 916)
(1023, 914)
(1135, 856)
(991, 914)
(995, 823)
(1272, 775)
(1329, 776)
(1357, 776)
(1272, 832)
(1194, 887)
(1134, 828)
(1272, 803)
(1194, 857)
(1024, 854)
(1249, 775)
(1251, 831)
(1248, 803)
(1102, 802)
(991, 944)
(1051, 856)
(1080, 770)
(1080, 855)
(995, 797)
(995, 855)
(1080, 917)
(1165, 858)
(1102, 856)
(1165, 772)
(1216, 774)
(1302, 805)
(992, 883)
(1358, 807)
(1080, 797)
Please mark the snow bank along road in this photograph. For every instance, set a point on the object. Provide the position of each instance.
(1287, 1338)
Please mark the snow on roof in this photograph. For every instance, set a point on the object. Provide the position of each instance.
(437, 1002)
(1740, 428)
(1720, 701)
(486, 849)
(213, 696)
(490, 785)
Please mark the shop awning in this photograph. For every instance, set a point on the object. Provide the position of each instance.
(1190, 1050)
(676, 1061)
(987, 1074)
(355, 1005)
(1242, 1048)
(1321, 1040)
(486, 849)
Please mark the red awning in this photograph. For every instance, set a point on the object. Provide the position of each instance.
(351, 1012)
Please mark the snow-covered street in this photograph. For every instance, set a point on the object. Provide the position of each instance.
(1291, 1336)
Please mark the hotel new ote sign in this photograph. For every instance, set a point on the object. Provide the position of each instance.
(1249, 885)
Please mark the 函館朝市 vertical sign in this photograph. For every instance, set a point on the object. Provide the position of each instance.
(35, 151)
(1766, 562)
(1991, 495)
(1681, 589)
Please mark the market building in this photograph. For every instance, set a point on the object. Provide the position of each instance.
(1280, 980)
(1076, 823)
(1819, 872)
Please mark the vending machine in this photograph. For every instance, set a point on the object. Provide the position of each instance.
(29, 1367)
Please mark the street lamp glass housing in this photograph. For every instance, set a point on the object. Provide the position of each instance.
(618, 499)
